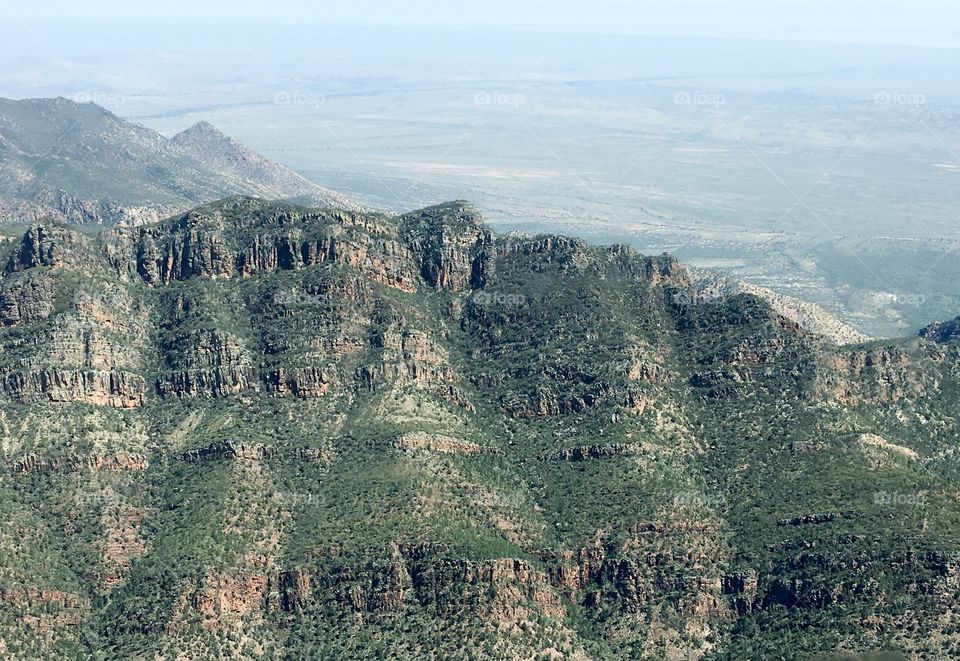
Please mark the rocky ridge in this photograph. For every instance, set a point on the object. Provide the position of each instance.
(273, 430)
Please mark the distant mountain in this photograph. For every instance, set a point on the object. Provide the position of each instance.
(230, 158)
(83, 164)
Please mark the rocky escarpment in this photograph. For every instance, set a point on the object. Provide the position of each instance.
(49, 245)
(234, 450)
(71, 208)
(451, 245)
(451, 587)
(441, 443)
(257, 429)
(875, 373)
(599, 452)
(111, 462)
(445, 248)
(205, 243)
(445, 585)
(26, 301)
(208, 364)
(117, 389)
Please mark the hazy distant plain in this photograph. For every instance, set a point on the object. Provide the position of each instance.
(824, 171)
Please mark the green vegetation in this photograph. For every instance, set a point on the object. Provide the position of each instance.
(360, 436)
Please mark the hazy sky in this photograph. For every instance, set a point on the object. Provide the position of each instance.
(920, 22)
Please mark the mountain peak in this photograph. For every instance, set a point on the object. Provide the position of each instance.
(42, 113)
(202, 130)
(204, 125)
(230, 157)
(161, 176)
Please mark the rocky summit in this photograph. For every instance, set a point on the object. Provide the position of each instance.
(258, 430)
(82, 164)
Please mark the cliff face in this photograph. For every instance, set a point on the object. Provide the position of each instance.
(72, 208)
(880, 374)
(260, 429)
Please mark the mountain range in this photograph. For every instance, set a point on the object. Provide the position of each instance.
(260, 430)
(83, 164)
